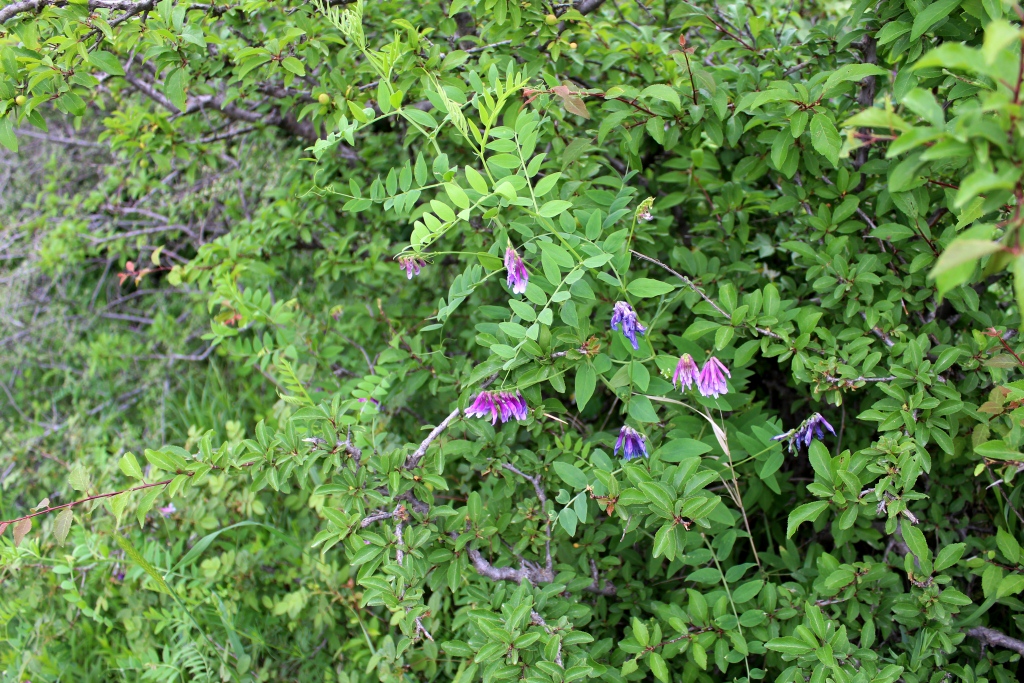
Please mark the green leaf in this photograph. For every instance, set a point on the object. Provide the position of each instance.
(586, 383)
(931, 15)
(567, 519)
(476, 181)
(665, 542)
(174, 88)
(678, 450)
(645, 287)
(662, 92)
(129, 465)
(950, 555)
(820, 460)
(852, 72)
(640, 632)
(136, 557)
(825, 138)
(658, 667)
(808, 512)
(554, 207)
(62, 525)
(788, 645)
(457, 195)
(570, 474)
(915, 540)
(79, 478)
(962, 251)
(106, 62)
(293, 65)
(998, 450)
(641, 409)
(7, 137)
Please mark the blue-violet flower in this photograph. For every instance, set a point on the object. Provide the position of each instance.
(811, 428)
(624, 315)
(631, 443)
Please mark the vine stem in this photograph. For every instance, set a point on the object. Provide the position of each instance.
(5, 523)
(711, 302)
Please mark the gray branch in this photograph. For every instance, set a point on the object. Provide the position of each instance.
(990, 636)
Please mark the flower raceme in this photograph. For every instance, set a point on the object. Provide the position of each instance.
(631, 443)
(687, 373)
(624, 316)
(518, 276)
(812, 427)
(503, 405)
(411, 265)
(711, 381)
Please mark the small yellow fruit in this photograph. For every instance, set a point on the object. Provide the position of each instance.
(20, 100)
(143, 163)
(551, 20)
(324, 98)
(572, 46)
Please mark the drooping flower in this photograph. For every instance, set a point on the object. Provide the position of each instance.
(711, 381)
(631, 443)
(624, 315)
(518, 276)
(811, 428)
(643, 212)
(411, 265)
(499, 405)
(687, 372)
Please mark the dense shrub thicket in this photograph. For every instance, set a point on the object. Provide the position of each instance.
(511, 340)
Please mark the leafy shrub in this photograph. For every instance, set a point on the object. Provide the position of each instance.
(523, 341)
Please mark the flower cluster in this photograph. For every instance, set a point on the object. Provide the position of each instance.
(503, 405)
(687, 372)
(811, 428)
(710, 380)
(631, 443)
(623, 315)
(411, 265)
(518, 276)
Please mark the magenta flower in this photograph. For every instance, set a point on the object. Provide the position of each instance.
(624, 315)
(411, 265)
(687, 372)
(518, 277)
(811, 428)
(711, 381)
(631, 442)
(502, 405)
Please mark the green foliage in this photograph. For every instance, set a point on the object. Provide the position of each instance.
(203, 272)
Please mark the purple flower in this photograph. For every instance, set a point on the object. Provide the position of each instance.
(811, 428)
(168, 510)
(711, 381)
(518, 276)
(370, 400)
(411, 265)
(686, 372)
(644, 215)
(631, 442)
(624, 315)
(501, 405)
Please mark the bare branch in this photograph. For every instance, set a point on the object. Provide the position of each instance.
(990, 636)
